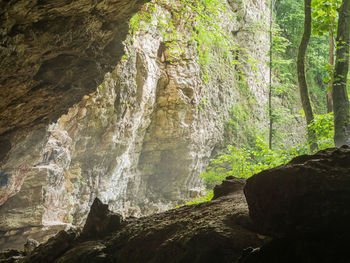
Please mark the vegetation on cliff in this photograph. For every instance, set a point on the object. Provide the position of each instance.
(252, 154)
(246, 149)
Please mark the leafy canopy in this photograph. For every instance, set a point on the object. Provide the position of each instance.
(324, 16)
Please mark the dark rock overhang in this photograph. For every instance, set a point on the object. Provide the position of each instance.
(52, 52)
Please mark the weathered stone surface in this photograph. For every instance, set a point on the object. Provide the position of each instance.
(11, 256)
(218, 231)
(208, 232)
(53, 248)
(100, 221)
(51, 54)
(87, 252)
(228, 186)
(30, 245)
(309, 194)
(15, 238)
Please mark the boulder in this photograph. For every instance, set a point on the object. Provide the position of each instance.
(87, 252)
(30, 245)
(310, 194)
(229, 186)
(11, 255)
(100, 222)
(53, 248)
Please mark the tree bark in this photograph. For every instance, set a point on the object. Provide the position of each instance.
(340, 96)
(331, 63)
(304, 94)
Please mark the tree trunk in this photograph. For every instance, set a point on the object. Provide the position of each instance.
(331, 63)
(304, 94)
(270, 81)
(340, 96)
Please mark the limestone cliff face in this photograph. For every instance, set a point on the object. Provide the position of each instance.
(141, 139)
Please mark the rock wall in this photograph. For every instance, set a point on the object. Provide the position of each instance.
(51, 54)
(141, 139)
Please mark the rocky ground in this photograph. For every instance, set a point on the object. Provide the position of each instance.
(216, 231)
(303, 206)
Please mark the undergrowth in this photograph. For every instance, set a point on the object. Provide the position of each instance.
(242, 162)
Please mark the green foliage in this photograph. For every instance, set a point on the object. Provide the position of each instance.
(282, 67)
(239, 127)
(142, 19)
(215, 48)
(204, 20)
(323, 125)
(242, 162)
(324, 16)
(288, 13)
(208, 35)
(208, 195)
(203, 104)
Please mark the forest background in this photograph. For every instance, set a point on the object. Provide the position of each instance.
(261, 152)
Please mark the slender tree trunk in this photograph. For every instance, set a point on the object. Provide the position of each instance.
(270, 80)
(340, 96)
(304, 94)
(331, 63)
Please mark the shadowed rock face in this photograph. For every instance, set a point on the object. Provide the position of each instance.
(216, 231)
(51, 54)
(311, 193)
(306, 204)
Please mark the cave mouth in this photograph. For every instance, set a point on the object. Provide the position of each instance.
(134, 109)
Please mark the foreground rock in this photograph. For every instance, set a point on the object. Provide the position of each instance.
(311, 193)
(306, 203)
(324, 248)
(216, 231)
(100, 221)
